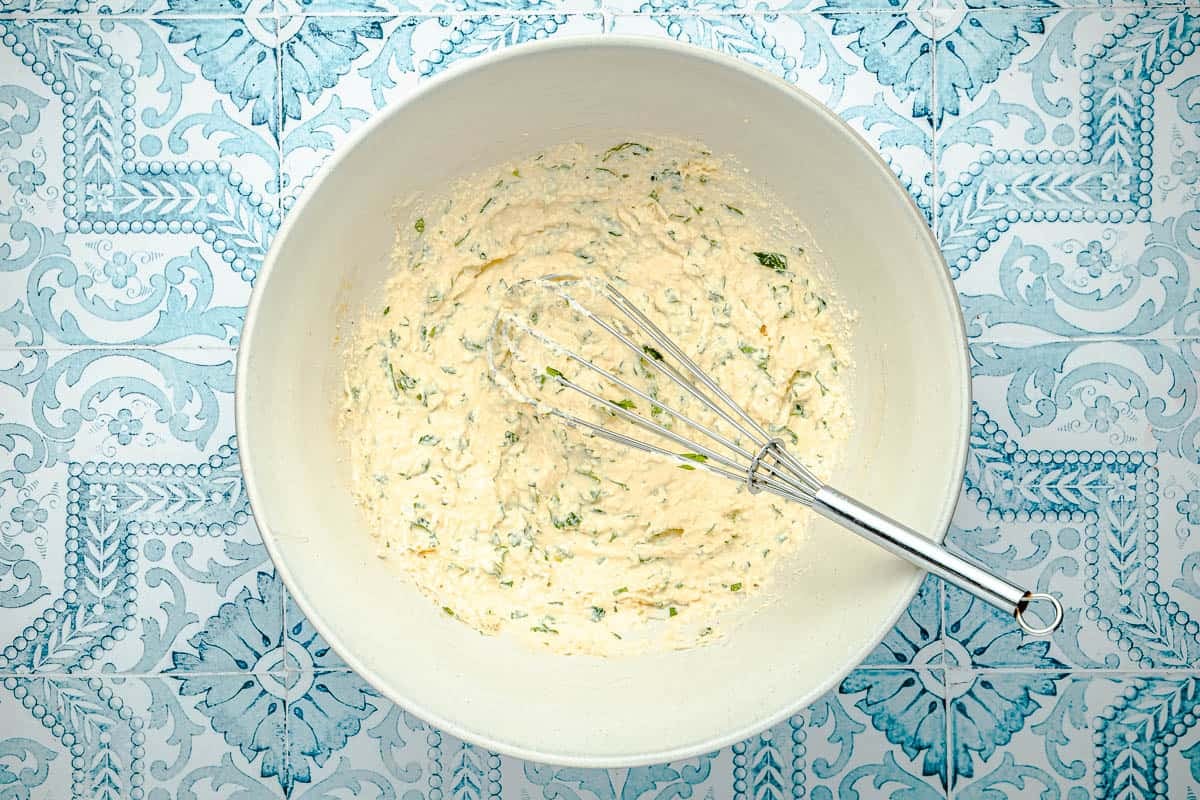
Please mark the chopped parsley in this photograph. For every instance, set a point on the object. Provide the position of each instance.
(774, 261)
(633, 148)
(650, 351)
(571, 520)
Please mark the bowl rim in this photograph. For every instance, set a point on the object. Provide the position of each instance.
(269, 269)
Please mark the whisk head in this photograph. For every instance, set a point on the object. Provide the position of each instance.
(523, 354)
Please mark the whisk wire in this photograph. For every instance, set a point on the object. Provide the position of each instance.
(789, 471)
(759, 435)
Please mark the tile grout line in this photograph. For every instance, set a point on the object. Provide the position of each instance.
(941, 587)
(934, 195)
(279, 211)
(575, 12)
(1113, 674)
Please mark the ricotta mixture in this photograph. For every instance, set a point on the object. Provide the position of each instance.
(509, 520)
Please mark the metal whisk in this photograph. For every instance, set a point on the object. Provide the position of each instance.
(753, 456)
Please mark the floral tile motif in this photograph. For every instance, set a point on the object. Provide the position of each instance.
(1081, 128)
(114, 737)
(127, 558)
(340, 727)
(916, 640)
(1106, 529)
(1086, 736)
(147, 151)
(1022, 734)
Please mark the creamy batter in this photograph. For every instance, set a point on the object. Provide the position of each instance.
(508, 520)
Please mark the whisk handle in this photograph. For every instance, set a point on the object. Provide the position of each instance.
(932, 557)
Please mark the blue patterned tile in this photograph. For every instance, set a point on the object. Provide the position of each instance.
(1081, 736)
(104, 738)
(1060, 508)
(341, 730)
(78, 289)
(125, 535)
(881, 734)
(342, 734)
(78, 154)
(1089, 235)
(916, 639)
(1060, 125)
(1024, 734)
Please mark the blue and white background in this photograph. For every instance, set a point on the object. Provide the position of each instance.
(149, 150)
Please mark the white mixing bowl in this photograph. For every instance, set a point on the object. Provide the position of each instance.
(911, 399)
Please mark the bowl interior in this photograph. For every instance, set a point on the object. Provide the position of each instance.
(906, 456)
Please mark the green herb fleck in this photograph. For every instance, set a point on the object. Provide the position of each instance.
(775, 261)
(404, 382)
(695, 457)
(387, 310)
(634, 149)
(419, 225)
(428, 439)
(462, 238)
(571, 520)
(510, 437)
(622, 590)
(667, 532)
(650, 351)
(625, 404)
(735, 587)
(671, 612)
(688, 467)
(737, 211)
(449, 611)
(598, 613)
(485, 205)
(551, 371)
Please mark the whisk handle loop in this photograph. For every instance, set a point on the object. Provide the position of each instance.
(932, 557)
